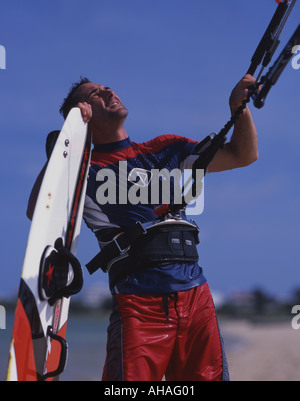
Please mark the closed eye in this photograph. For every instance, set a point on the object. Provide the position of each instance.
(97, 91)
(93, 92)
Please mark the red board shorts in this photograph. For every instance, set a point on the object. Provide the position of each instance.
(175, 335)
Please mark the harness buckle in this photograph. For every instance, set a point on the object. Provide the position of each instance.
(122, 251)
(138, 223)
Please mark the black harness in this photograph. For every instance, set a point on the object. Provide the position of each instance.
(160, 242)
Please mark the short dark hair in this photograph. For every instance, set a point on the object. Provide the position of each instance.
(70, 101)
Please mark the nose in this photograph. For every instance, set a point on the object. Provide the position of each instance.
(108, 92)
(106, 95)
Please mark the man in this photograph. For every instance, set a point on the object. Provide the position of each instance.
(163, 320)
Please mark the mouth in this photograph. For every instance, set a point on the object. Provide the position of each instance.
(114, 104)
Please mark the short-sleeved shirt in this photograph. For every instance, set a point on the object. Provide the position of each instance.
(120, 193)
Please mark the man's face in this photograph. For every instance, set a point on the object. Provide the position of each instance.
(106, 105)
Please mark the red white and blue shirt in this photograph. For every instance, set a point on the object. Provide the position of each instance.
(139, 159)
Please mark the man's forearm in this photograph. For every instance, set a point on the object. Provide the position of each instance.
(241, 150)
(243, 142)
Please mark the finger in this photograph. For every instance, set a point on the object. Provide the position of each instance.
(84, 111)
(259, 88)
(247, 81)
(249, 78)
(88, 112)
(245, 93)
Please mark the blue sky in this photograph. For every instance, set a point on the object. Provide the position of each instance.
(174, 64)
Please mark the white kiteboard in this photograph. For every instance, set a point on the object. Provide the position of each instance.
(51, 273)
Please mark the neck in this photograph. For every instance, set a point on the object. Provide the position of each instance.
(108, 134)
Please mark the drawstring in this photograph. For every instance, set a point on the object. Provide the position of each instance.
(166, 305)
(172, 297)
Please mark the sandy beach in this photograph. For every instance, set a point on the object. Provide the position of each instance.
(263, 352)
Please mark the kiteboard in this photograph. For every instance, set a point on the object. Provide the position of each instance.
(51, 273)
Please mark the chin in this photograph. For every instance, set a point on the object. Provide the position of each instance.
(122, 112)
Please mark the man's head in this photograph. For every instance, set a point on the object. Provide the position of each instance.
(106, 105)
(72, 99)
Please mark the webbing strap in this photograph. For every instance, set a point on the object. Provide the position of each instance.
(119, 246)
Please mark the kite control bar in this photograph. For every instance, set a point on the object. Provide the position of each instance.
(276, 70)
(266, 50)
(270, 41)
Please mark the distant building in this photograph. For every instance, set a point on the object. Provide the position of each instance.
(95, 294)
